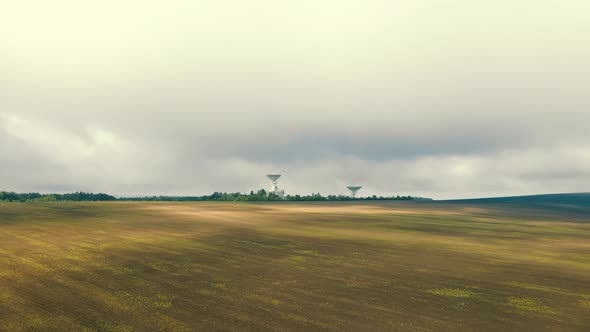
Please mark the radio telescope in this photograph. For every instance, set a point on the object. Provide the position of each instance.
(354, 190)
(274, 178)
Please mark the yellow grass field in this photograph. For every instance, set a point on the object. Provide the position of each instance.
(380, 266)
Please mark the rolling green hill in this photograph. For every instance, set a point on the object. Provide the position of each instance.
(576, 203)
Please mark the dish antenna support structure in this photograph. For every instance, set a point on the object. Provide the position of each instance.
(274, 178)
(354, 190)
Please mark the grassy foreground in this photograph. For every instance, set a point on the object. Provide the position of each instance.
(394, 266)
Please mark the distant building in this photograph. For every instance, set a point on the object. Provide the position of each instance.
(274, 178)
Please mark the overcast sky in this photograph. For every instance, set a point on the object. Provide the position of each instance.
(436, 98)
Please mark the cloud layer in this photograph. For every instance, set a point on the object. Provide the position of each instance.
(433, 98)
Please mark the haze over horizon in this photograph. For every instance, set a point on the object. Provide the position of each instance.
(433, 98)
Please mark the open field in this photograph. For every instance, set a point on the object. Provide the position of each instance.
(391, 266)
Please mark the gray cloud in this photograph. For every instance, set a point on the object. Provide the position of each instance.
(425, 98)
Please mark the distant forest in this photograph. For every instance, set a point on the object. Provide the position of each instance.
(263, 196)
(36, 197)
(259, 196)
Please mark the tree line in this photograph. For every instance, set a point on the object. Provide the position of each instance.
(258, 196)
(263, 196)
(37, 197)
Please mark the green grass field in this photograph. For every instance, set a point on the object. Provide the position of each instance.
(390, 266)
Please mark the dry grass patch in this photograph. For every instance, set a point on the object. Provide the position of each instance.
(525, 305)
(452, 292)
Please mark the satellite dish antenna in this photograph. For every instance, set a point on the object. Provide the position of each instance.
(354, 190)
(274, 178)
